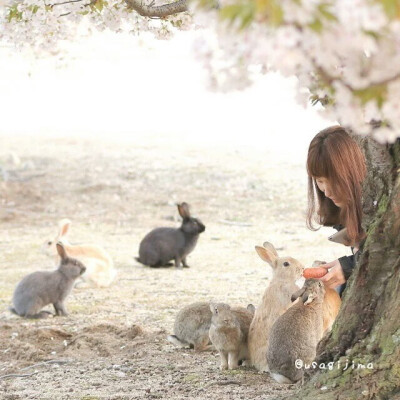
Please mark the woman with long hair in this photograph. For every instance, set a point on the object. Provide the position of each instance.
(336, 170)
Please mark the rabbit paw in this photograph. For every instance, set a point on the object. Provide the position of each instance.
(223, 366)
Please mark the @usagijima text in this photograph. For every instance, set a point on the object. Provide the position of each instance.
(331, 365)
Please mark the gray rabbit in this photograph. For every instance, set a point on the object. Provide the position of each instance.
(296, 333)
(229, 331)
(191, 327)
(41, 288)
(162, 245)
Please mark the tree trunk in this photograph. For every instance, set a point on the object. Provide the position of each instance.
(367, 330)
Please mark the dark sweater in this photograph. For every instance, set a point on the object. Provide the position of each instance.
(346, 262)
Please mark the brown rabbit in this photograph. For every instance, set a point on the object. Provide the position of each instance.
(331, 304)
(191, 327)
(41, 288)
(228, 332)
(275, 301)
(296, 333)
(100, 271)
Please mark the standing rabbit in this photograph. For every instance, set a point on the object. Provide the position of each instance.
(162, 245)
(100, 271)
(228, 333)
(191, 327)
(41, 288)
(331, 304)
(275, 301)
(296, 333)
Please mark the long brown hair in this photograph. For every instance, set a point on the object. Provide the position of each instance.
(335, 155)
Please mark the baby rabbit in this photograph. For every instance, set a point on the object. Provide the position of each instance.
(40, 288)
(191, 327)
(228, 333)
(162, 245)
(275, 301)
(331, 304)
(296, 333)
(100, 270)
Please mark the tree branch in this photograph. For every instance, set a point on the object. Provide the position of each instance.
(150, 10)
(64, 2)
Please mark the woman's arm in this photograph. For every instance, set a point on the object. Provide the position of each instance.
(347, 263)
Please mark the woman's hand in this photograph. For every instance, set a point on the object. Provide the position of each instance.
(335, 276)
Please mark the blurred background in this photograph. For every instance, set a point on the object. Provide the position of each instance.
(120, 86)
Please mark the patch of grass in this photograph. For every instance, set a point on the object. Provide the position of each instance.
(192, 378)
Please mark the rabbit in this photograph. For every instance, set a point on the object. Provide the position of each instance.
(191, 327)
(331, 304)
(41, 288)
(162, 245)
(296, 333)
(100, 271)
(229, 331)
(275, 301)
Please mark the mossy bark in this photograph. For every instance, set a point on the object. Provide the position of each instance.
(367, 330)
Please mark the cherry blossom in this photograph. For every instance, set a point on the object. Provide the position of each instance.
(345, 53)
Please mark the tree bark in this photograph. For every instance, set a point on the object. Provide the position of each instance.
(367, 329)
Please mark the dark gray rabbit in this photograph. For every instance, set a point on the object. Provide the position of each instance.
(41, 288)
(162, 245)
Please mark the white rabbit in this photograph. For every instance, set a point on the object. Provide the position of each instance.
(100, 271)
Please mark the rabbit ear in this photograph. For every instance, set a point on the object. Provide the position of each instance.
(61, 251)
(316, 263)
(266, 255)
(307, 298)
(297, 294)
(183, 209)
(251, 308)
(269, 246)
(214, 308)
(64, 226)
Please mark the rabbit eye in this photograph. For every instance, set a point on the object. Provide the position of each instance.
(49, 243)
(286, 264)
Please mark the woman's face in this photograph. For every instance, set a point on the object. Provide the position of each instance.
(325, 187)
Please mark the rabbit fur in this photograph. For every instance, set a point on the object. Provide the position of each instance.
(331, 304)
(229, 331)
(41, 288)
(275, 301)
(296, 333)
(191, 327)
(100, 271)
(162, 245)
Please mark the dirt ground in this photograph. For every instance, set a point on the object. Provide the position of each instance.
(113, 343)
